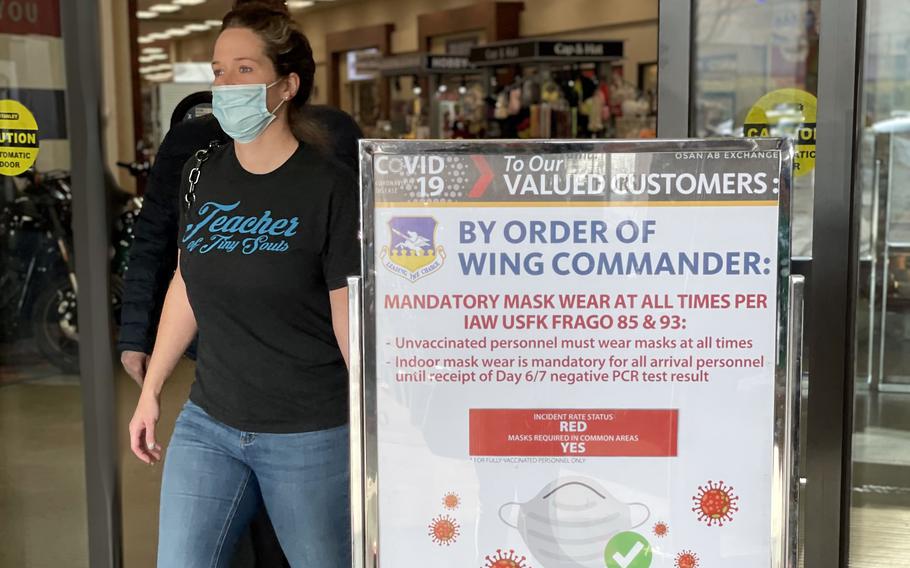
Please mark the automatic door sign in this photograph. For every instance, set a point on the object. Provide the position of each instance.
(788, 113)
(18, 138)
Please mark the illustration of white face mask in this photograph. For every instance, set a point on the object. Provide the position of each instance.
(568, 524)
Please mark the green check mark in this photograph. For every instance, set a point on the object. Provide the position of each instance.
(628, 550)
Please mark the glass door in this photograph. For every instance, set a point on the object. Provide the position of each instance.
(880, 503)
(758, 69)
(747, 68)
(755, 73)
(42, 476)
(58, 497)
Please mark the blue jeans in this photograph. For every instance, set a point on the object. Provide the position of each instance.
(216, 477)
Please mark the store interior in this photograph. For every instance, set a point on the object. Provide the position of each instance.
(597, 78)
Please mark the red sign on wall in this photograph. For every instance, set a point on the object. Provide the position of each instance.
(583, 433)
(30, 17)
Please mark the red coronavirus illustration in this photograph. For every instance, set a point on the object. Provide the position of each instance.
(686, 559)
(506, 559)
(451, 501)
(715, 503)
(661, 529)
(444, 530)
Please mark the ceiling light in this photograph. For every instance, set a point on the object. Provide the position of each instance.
(189, 2)
(300, 4)
(176, 32)
(152, 57)
(164, 8)
(152, 50)
(146, 14)
(158, 36)
(159, 77)
(196, 28)
(145, 39)
(213, 23)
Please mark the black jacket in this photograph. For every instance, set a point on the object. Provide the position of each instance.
(153, 255)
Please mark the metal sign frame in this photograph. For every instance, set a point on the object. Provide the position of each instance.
(365, 480)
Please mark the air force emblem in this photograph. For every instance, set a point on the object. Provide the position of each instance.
(412, 252)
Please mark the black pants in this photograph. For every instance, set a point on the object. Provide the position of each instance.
(258, 547)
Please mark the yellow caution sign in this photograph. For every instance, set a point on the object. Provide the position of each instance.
(18, 138)
(788, 113)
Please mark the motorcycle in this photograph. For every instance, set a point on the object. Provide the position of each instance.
(38, 283)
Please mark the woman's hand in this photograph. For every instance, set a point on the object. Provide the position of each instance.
(142, 428)
(175, 333)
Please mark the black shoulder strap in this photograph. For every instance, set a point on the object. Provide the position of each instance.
(189, 199)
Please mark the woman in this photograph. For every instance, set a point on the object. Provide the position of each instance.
(268, 237)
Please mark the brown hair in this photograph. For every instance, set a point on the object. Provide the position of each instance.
(289, 51)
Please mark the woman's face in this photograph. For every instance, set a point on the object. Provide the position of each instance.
(240, 59)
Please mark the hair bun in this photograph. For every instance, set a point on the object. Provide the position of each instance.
(276, 5)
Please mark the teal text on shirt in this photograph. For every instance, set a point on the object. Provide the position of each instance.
(218, 230)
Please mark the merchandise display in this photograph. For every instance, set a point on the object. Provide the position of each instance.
(434, 96)
(517, 89)
(561, 89)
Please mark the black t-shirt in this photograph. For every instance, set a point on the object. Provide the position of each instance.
(259, 254)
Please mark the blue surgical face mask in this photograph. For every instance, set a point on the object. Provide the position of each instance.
(241, 110)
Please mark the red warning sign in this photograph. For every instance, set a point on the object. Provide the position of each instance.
(30, 17)
(583, 433)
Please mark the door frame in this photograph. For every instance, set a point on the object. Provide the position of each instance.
(831, 302)
(82, 55)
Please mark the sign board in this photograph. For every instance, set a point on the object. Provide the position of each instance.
(363, 64)
(787, 113)
(404, 63)
(442, 63)
(582, 49)
(534, 50)
(423, 63)
(461, 46)
(30, 17)
(574, 354)
(18, 138)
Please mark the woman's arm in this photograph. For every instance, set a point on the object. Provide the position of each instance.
(339, 301)
(175, 333)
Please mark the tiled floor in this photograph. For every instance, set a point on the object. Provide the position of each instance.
(42, 473)
(140, 483)
(880, 537)
(42, 476)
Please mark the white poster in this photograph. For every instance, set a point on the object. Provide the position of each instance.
(575, 355)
